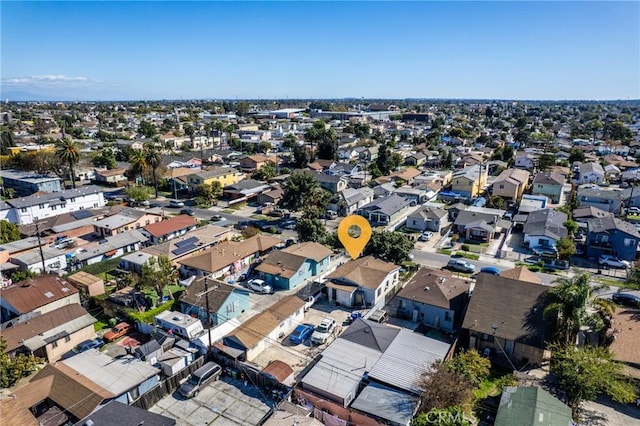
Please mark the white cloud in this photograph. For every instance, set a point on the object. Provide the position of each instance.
(52, 80)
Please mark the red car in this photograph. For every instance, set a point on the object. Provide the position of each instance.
(118, 331)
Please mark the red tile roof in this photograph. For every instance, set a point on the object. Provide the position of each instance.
(168, 226)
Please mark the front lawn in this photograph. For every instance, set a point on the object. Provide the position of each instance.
(493, 385)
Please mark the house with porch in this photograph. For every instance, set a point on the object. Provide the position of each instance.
(434, 298)
(544, 228)
(610, 235)
(365, 281)
(291, 267)
(350, 200)
(476, 226)
(332, 183)
(385, 210)
(428, 219)
(505, 318)
(223, 301)
(223, 174)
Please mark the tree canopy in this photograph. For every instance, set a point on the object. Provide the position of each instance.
(157, 273)
(8, 232)
(302, 192)
(208, 194)
(311, 229)
(394, 247)
(14, 368)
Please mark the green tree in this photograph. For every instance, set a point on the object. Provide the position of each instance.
(157, 273)
(496, 202)
(566, 248)
(153, 159)
(266, 172)
(207, 194)
(106, 158)
(586, 372)
(301, 156)
(448, 161)
(576, 154)
(137, 193)
(289, 141)
(68, 152)
(572, 226)
(471, 365)
(396, 160)
(147, 129)
(8, 232)
(325, 139)
(139, 163)
(311, 229)
(568, 303)
(443, 388)
(507, 153)
(14, 368)
(618, 131)
(7, 141)
(394, 247)
(546, 161)
(302, 192)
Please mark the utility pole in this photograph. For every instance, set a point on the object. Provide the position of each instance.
(206, 301)
(44, 268)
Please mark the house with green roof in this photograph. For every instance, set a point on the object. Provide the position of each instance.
(530, 405)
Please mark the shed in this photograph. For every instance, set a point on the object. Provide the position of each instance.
(174, 360)
(390, 405)
(87, 284)
(281, 371)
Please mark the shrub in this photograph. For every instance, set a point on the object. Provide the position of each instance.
(455, 238)
(465, 247)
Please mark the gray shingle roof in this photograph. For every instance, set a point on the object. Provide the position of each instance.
(609, 223)
(388, 205)
(42, 198)
(547, 222)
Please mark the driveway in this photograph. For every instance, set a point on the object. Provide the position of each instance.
(604, 412)
(225, 402)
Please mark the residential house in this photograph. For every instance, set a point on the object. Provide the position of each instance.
(88, 377)
(550, 185)
(365, 281)
(510, 184)
(347, 154)
(624, 345)
(370, 360)
(434, 298)
(223, 301)
(583, 214)
(260, 331)
(125, 220)
(192, 242)
(469, 182)
(272, 196)
(114, 177)
(609, 200)
(87, 284)
(36, 207)
(418, 159)
(526, 160)
(169, 229)
(118, 413)
(589, 173)
(54, 259)
(332, 183)
(610, 235)
(477, 226)
(345, 169)
(384, 189)
(544, 228)
(245, 190)
(228, 257)
(505, 319)
(291, 267)
(36, 296)
(385, 210)
(52, 334)
(110, 248)
(26, 183)
(252, 163)
(405, 176)
(428, 219)
(531, 406)
(414, 194)
(224, 175)
(350, 200)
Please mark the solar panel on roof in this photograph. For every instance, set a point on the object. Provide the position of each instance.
(188, 241)
(81, 214)
(184, 249)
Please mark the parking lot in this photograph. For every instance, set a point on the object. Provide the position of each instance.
(225, 402)
(299, 356)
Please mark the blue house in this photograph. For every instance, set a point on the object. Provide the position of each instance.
(224, 301)
(290, 267)
(610, 235)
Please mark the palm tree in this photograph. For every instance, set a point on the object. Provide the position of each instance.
(569, 300)
(139, 163)
(154, 159)
(67, 151)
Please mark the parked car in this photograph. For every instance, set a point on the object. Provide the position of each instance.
(633, 210)
(626, 299)
(301, 333)
(199, 379)
(323, 331)
(176, 203)
(490, 270)
(216, 218)
(117, 331)
(89, 344)
(259, 286)
(426, 236)
(330, 214)
(242, 225)
(614, 262)
(461, 265)
(187, 211)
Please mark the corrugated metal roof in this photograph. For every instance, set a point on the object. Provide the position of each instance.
(409, 355)
(387, 404)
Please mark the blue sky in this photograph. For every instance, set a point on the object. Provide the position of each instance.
(187, 50)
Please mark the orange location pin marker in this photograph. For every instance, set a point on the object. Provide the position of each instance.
(354, 245)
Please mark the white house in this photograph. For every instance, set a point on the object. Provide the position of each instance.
(26, 210)
(590, 173)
